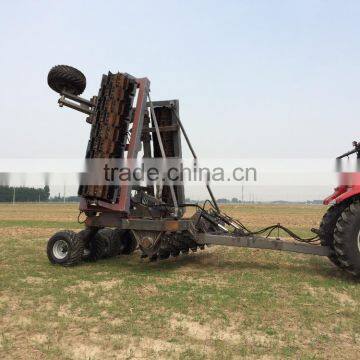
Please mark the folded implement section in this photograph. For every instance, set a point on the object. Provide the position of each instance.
(109, 130)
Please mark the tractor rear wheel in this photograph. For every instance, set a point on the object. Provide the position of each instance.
(65, 248)
(347, 239)
(326, 229)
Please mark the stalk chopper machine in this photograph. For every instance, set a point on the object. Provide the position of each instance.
(121, 218)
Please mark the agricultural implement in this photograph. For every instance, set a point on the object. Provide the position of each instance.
(123, 217)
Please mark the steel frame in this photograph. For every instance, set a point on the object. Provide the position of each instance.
(117, 214)
(259, 242)
(123, 205)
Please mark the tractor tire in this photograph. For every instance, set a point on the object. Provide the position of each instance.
(66, 78)
(129, 243)
(65, 248)
(327, 228)
(347, 239)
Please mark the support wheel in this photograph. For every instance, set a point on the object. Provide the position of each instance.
(117, 241)
(87, 235)
(66, 78)
(347, 239)
(65, 248)
(96, 246)
(112, 242)
(326, 229)
(129, 243)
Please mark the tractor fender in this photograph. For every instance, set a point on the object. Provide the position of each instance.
(348, 188)
(342, 193)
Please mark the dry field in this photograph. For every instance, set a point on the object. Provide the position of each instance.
(215, 304)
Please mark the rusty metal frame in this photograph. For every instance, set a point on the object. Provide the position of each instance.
(180, 225)
(157, 131)
(259, 242)
(117, 214)
(144, 89)
(123, 205)
(113, 220)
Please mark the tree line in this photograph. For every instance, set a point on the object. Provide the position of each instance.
(24, 194)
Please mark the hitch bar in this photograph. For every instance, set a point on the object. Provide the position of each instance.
(259, 242)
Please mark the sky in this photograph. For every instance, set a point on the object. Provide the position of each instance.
(255, 79)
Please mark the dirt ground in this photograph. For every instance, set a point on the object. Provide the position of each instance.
(217, 303)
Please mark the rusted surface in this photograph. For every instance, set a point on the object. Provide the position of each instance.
(112, 219)
(135, 139)
(170, 136)
(110, 125)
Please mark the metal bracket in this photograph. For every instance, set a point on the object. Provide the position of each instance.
(163, 155)
(84, 107)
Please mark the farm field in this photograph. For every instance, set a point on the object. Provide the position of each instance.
(219, 303)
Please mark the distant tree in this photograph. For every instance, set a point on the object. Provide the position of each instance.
(24, 194)
(223, 201)
(46, 192)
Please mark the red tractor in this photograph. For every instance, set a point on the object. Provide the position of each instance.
(340, 226)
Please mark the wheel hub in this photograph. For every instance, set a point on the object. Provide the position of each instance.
(60, 249)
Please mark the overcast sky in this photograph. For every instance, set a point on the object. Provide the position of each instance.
(254, 78)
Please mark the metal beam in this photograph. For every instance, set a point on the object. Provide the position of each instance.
(163, 155)
(195, 157)
(259, 242)
(161, 128)
(82, 108)
(78, 99)
(113, 220)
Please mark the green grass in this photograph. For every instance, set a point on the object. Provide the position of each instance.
(218, 303)
(39, 224)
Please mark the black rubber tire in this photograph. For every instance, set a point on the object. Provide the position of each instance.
(164, 254)
(95, 248)
(86, 235)
(66, 78)
(327, 228)
(117, 241)
(103, 235)
(112, 242)
(175, 253)
(129, 243)
(75, 248)
(347, 239)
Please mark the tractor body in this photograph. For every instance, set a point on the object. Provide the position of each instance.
(348, 189)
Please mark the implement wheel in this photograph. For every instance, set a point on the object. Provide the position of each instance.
(129, 243)
(66, 78)
(65, 248)
(112, 242)
(347, 239)
(96, 246)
